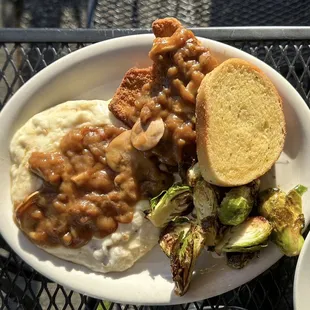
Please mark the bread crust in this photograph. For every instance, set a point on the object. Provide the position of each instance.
(208, 170)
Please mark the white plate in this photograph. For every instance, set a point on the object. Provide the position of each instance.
(302, 278)
(94, 73)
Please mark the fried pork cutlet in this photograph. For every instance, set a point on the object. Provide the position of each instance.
(167, 90)
(123, 104)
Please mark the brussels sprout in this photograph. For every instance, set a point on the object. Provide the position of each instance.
(239, 260)
(210, 228)
(182, 241)
(193, 175)
(285, 214)
(249, 236)
(238, 203)
(183, 257)
(172, 232)
(205, 199)
(169, 204)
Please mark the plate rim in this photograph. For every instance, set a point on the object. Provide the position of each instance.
(298, 272)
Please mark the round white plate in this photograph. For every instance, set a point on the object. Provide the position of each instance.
(302, 278)
(95, 72)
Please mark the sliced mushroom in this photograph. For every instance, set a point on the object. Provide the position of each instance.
(123, 157)
(119, 152)
(146, 137)
(27, 203)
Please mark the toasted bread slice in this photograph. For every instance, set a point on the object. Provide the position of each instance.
(240, 124)
(122, 104)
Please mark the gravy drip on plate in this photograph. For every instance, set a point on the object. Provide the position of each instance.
(90, 185)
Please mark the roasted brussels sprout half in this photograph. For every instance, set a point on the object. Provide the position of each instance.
(205, 198)
(285, 214)
(182, 241)
(170, 204)
(239, 260)
(172, 232)
(238, 203)
(249, 236)
(183, 257)
(210, 227)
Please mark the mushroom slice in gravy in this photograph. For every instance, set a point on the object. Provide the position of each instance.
(144, 137)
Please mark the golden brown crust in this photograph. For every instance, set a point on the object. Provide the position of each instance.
(165, 27)
(122, 104)
(202, 129)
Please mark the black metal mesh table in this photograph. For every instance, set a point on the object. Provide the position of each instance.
(24, 52)
(202, 13)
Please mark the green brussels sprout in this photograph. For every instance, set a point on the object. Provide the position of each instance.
(285, 214)
(238, 203)
(210, 228)
(183, 257)
(249, 236)
(239, 260)
(170, 204)
(172, 232)
(182, 241)
(205, 198)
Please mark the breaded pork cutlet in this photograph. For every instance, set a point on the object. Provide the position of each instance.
(166, 92)
(122, 104)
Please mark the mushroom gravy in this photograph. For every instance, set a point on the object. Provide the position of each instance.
(91, 184)
(97, 175)
(180, 62)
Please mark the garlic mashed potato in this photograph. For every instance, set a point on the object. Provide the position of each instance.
(43, 132)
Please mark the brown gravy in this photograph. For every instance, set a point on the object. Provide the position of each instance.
(180, 64)
(91, 184)
(94, 180)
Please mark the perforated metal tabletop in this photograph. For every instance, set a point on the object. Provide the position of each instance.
(25, 52)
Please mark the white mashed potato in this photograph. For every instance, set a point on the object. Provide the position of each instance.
(43, 132)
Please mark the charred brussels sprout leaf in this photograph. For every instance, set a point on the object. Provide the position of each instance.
(172, 233)
(285, 214)
(170, 204)
(183, 258)
(205, 198)
(249, 236)
(239, 260)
